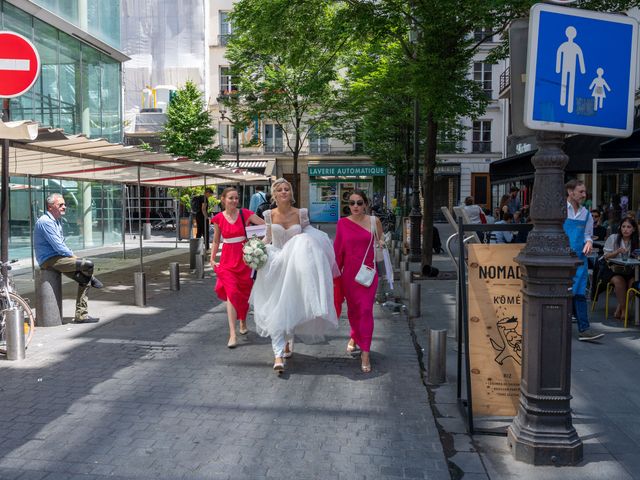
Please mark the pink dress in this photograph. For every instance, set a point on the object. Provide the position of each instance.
(233, 275)
(350, 246)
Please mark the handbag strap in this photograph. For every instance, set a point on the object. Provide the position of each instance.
(368, 247)
(244, 227)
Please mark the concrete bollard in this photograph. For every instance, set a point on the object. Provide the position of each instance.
(48, 298)
(196, 246)
(14, 333)
(437, 357)
(146, 231)
(140, 289)
(174, 276)
(414, 300)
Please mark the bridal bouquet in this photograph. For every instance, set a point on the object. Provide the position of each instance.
(254, 253)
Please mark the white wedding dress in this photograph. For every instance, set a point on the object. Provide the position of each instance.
(294, 290)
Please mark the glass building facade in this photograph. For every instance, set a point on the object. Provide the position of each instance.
(79, 88)
(80, 91)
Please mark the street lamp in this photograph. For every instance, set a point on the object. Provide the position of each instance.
(415, 244)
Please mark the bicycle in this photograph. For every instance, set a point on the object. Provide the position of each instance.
(10, 299)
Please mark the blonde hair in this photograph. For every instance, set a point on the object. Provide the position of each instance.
(274, 186)
(224, 194)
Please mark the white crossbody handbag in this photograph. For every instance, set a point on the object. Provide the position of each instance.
(366, 274)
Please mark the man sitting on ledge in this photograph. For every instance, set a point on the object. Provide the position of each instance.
(53, 254)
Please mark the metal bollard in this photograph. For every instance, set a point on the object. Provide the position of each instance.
(140, 289)
(200, 265)
(437, 357)
(407, 278)
(146, 232)
(396, 259)
(196, 247)
(414, 300)
(174, 276)
(15, 334)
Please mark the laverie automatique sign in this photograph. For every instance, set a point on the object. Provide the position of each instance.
(347, 171)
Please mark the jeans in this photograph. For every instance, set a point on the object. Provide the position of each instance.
(581, 312)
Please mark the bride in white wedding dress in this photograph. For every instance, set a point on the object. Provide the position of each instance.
(294, 290)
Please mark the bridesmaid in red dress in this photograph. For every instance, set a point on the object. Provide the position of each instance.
(353, 236)
(234, 281)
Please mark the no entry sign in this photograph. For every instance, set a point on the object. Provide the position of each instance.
(19, 64)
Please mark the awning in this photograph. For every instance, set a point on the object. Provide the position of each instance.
(54, 154)
(261, 166)
(581, 149)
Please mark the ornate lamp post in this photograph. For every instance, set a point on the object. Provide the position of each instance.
(542, 433)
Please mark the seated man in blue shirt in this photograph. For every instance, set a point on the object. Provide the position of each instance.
(503, 236)
(53, 254)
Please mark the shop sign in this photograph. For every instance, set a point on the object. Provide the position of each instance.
(495, 328)
(347, 171)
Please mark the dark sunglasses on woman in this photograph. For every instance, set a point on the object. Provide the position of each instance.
(356, 202)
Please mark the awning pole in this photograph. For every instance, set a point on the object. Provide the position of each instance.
(594, 184)
(33, 262)
(140, 218)
(125, 201)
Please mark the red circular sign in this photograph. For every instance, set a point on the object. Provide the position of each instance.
(19, 64)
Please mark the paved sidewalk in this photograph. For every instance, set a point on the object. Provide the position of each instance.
(154, 393)
(606, 400)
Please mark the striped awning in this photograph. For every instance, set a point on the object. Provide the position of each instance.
(55, 154)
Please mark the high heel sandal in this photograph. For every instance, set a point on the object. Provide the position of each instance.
(243, 329)
(365, 368)
(351, 348)
(232, 343)
(288, 349)
(278, 366)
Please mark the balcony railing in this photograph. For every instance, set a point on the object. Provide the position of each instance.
(505, 80)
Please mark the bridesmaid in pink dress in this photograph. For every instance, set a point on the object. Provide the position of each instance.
(353, 236)
(234, 282)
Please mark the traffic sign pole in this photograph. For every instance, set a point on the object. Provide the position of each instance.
(19, 70)
(4, 194)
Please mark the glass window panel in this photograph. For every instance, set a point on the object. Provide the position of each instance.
(70, 84)
(111, 105)
(91, 68)
(46, 92)
(103, 20)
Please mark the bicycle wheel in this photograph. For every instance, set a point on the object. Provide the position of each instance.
(29, 322)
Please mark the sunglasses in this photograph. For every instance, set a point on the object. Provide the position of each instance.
(356, 202)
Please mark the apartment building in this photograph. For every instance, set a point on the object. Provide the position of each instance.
(466, 172)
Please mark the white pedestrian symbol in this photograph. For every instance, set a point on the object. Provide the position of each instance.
(598, 85)
(566, 57)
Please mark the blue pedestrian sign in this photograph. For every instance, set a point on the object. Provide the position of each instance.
(581, 71)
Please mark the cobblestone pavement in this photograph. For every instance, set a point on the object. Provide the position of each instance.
(154, 393)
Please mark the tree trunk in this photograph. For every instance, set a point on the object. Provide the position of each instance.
(428, 193)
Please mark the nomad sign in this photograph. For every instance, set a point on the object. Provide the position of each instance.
(19, 64)
(346, 171)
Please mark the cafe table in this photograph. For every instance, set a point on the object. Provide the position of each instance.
(631, 262)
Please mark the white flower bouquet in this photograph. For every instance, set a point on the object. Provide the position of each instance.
(254, 253)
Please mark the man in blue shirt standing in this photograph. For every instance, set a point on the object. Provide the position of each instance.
(53, 254)
(257, 198)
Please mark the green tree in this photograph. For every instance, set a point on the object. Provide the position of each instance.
(284, 58)
(188, 131)
(438, 59)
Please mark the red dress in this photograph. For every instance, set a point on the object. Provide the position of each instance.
(350, 245)
(234, 276)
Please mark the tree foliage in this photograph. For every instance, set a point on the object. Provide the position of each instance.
(188, 131)
(284, 57)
